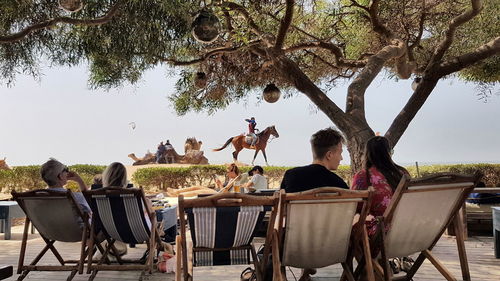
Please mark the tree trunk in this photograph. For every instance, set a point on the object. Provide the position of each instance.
(356, 142)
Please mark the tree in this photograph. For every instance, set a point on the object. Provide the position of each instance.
(303, 46)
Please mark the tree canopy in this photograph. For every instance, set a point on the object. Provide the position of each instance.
(302, 46)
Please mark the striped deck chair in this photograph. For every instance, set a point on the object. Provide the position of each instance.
(419, 213)
(57, 217)
(222, 228)
(122, 214)
(315, 228)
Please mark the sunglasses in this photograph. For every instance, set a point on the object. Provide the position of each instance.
(66, 169)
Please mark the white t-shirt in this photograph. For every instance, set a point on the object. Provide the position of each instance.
(259, 182)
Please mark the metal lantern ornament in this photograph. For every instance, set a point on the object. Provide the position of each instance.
(415, 83)
(71, 6)
(200, 79)
(205, 27)
(271, 93)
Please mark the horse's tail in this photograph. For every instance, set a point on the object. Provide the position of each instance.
(225, 145)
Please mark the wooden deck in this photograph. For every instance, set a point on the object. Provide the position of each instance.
(483, 265)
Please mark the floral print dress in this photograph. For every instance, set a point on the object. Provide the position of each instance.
(381, 197)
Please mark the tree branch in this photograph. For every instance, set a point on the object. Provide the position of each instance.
(285, 24)
(458, 63)
(236, 7)
(334, 49)
(445, 44)
(356, 91)
(419, 36)
(51, 22)
(207, 55)
(377, 25)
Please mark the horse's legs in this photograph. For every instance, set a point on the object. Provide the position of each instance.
(265, 157)
(255, 156)
(235, 155)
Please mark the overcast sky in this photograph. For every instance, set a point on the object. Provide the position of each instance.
(60, 117)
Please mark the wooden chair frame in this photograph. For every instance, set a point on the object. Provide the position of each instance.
(386, 220)
(223, 200)
(46, 194)
(123, 264)
(358, 231)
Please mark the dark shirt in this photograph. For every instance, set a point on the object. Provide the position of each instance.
(310, 177)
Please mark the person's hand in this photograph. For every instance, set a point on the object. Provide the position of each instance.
(73, 176)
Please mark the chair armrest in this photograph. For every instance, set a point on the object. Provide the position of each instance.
(5, 271)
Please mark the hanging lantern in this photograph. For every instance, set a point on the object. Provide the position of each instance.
(200, 79)
(205, 27)
(71, 6)
(271, 93)
(415, 83)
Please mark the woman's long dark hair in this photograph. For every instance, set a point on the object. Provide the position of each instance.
(378, 154)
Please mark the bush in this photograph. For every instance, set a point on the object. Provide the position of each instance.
(22, 178)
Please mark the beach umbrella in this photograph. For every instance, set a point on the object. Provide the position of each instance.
(71, 5)
(205, 27)
(271, 93)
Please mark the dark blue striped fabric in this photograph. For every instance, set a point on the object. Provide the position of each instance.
(224, 227)
(121, 217)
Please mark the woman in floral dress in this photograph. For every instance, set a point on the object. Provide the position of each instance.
(381, 173)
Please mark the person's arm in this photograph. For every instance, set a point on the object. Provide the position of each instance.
(73, 176)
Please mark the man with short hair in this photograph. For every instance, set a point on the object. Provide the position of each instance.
(56, 175)
(326, 148)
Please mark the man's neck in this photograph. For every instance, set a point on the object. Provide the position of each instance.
(320, 162)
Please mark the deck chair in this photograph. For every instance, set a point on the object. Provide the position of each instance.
(54, 214)
(121, 214)
(315, 227)
(222, 227)
(419, 213)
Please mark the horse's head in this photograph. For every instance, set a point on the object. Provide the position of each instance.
(274, 132)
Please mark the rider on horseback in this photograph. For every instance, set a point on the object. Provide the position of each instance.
(251, 131)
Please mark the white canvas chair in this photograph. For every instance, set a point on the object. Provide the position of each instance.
(315, 229)
(57, 217)
(419, 213)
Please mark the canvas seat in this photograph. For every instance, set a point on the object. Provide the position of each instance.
(315, 228)
(222, 227)
(121, 214)
(419, 213)
(57, 217)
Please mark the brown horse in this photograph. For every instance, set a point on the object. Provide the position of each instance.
(239, 143)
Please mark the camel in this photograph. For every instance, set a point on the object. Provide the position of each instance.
(192, 155)
(149, 158)
(192, 144)
(3, 164)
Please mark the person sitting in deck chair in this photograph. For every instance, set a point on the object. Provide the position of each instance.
(326, 148)
(57, 175)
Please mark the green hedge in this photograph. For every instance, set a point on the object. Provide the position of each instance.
(24, 178)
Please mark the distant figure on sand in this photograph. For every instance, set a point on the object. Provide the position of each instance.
(169, 149)
(160, 153)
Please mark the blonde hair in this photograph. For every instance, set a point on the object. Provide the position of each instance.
(115, 175)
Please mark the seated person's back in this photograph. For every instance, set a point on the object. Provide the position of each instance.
(56, 175)
(326, 148)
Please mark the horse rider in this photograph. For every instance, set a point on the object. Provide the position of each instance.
(251, 131)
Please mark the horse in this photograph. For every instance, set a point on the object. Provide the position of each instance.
(239, 143)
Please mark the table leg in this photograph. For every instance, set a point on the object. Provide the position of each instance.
(2, 226)
(7, 226)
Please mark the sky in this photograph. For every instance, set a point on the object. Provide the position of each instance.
(60, 117)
